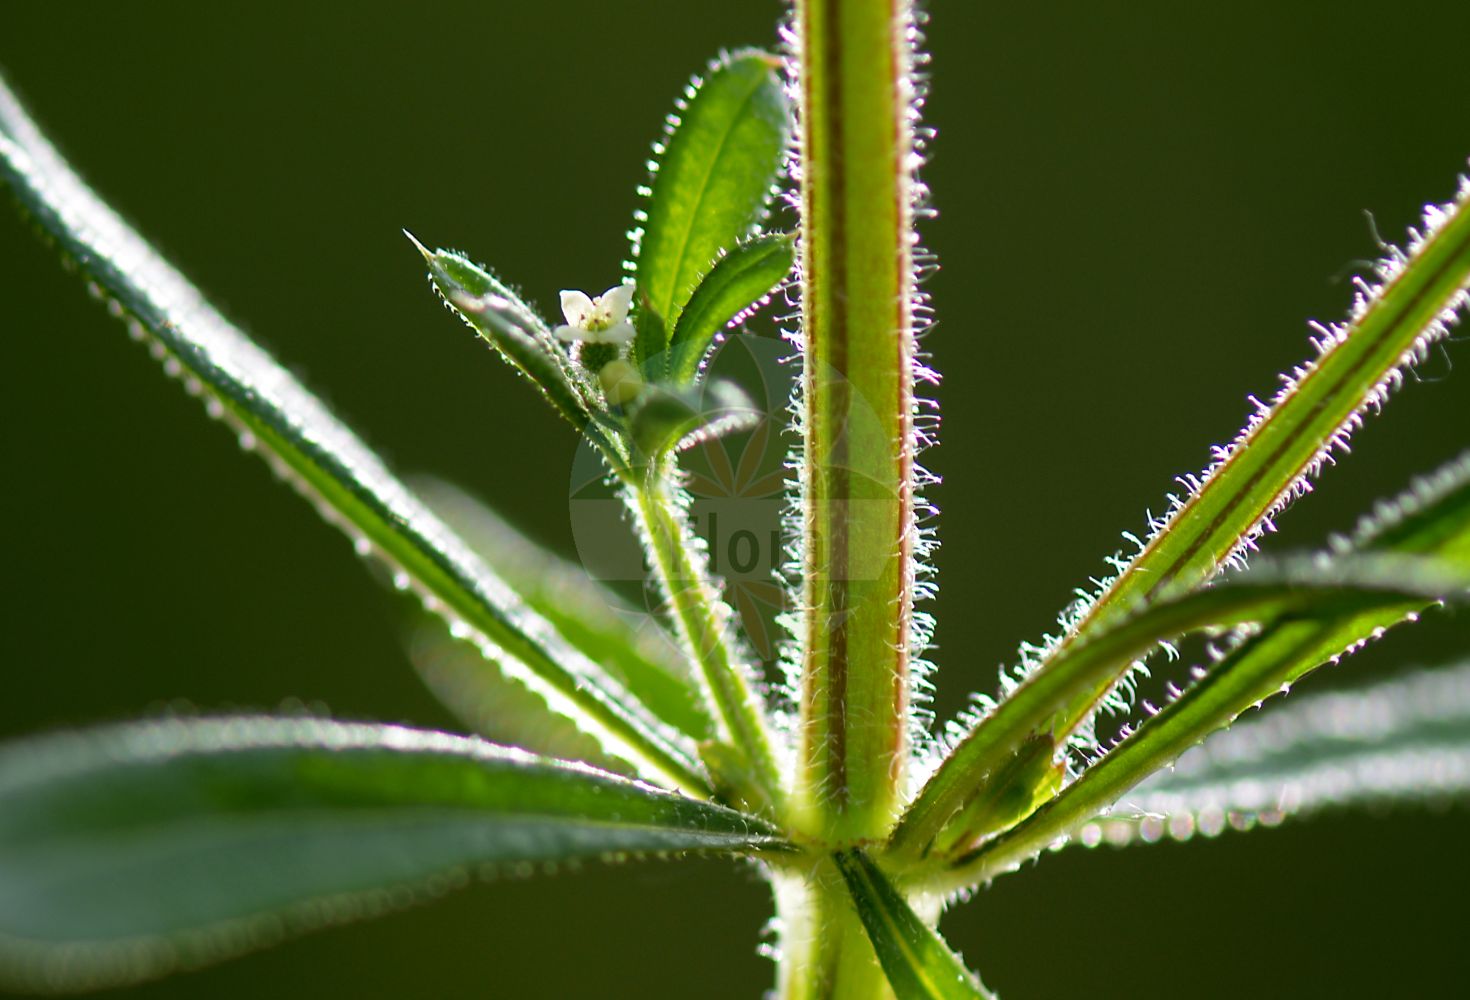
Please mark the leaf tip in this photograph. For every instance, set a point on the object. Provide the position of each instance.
(427, 254)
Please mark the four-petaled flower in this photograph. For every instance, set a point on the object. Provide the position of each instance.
(600, 320)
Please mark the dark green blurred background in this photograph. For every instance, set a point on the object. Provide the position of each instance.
(1140, 205)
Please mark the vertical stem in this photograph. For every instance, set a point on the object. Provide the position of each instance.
(701, 618)
(857, 327)
(824, 953)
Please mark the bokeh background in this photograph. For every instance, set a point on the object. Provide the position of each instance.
(1139, 206)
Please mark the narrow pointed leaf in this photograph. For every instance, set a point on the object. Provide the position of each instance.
(1313, 592)
(127, 851)
(668, 417)
(510, 326)
(1431, 521)
(739, 280)
(1431, 518)
(487, 702)
(917, 962)
(1263, 666)
(1404, 740)
(645, 659)
(1413, 299)
(273, 413)
(1322, 403)
(714, 177)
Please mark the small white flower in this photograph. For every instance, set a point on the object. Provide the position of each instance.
(600, 320)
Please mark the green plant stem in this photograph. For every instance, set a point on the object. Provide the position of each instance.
(857, 327)
(824, 951)
(701, 617)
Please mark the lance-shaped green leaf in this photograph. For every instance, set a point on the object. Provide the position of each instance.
(1399, 741)
(128, 851)
(644, 658)
(1431, 518)
(668, 417)
(1432, 522)
(713, 178)
(1317, 590)
(740, 279)
(1413, 300)
(487, 702)
(1320, 404)
(917, 962)
(1413, 303)
(1267, 664)
(273, 413)
(514, 329)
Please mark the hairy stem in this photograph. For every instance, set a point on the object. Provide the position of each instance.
(824, 951)
(857, 329)
(701, 618)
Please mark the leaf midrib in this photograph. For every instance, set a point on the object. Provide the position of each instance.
(688, 228)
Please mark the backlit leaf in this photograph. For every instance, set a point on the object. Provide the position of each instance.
(919, 965)
(714, 177)
(128, 851)
(273, 413)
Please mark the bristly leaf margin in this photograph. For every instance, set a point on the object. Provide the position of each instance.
(916, 960)
(131, 850)
(321, 457)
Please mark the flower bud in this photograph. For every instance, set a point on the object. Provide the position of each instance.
(620, 382)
